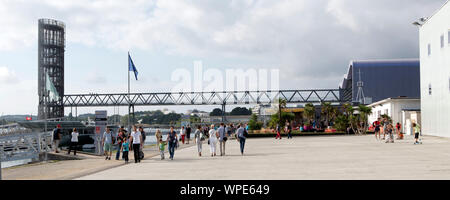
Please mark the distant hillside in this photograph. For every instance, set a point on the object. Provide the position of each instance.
(16, 118)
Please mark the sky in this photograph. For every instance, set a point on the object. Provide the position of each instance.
(310, 42)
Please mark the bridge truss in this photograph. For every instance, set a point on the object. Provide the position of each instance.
(207, 98)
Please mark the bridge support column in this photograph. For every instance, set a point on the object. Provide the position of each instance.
(134, 118)
(223, 113)
(131, 116)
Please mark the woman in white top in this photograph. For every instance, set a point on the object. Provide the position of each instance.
(138, 143)
(73, 142)
(213, 134)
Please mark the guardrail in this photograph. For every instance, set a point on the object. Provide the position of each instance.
(21, 146)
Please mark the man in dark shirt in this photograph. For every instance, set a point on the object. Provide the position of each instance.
(188, 133)
(56, 137)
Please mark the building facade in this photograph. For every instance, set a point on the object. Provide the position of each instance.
(382, 79)
(435, 73)
(401, 110)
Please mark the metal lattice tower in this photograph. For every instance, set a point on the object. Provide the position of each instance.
(51, 47)
(360, 95)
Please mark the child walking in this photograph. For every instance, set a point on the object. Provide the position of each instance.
(125, 149)
(390, 134)
(162, 145)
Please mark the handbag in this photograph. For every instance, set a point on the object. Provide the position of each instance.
(225, 139)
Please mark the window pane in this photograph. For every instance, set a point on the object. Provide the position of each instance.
(442, 41)
(429, 49)
(448, 38)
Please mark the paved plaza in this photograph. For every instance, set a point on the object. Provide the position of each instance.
(302, 158)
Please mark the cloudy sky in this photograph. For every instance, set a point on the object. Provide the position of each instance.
(310, 41)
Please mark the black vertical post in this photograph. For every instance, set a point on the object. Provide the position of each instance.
(134, 118)
(223, 113)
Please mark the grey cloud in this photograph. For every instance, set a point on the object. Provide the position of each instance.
(309, 38)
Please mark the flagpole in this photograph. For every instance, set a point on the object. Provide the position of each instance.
(129, 126)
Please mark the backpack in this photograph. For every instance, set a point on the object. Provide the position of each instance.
(56, 133)
(143, 135)
(141, 155)
(245, 133)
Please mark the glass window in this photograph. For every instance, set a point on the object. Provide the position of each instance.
(429, 49)
(448, 38)
(442, 41)
(429, 89)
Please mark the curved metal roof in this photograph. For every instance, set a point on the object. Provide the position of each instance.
(384, 78)
(386, 63)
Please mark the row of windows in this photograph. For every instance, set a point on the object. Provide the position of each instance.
(442, 42)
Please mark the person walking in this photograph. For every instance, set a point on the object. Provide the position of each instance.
(416, 128)
(158, 136)
(141, 152)
(125, 147)
(241, 132)
(385, 124)
(398, 127)
(390, 134)
(183, 134)
(73, 142)
(278, 130)
(120, 139)
(198, 139)
(213, 134)
(377, 129)
(107, 143)
(188, 133)
(161, 145)
(223, 137)
(56, 137)
(288, 130)
(172, 140)
(137, 142)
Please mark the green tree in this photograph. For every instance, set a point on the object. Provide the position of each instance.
(254, 124)
(240, 111)
(364, 112)
(281, 104)
(328, 112)
(274, 120)
(342, 122)
(310, 112)
(216, 112)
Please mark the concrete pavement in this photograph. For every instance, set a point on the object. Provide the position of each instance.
(302, 158)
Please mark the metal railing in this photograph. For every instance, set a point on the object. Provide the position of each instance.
(24, 145)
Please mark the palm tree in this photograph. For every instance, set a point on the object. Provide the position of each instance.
(310, 112)
(328, 111)
(352, 120)
(281, 104)
(364, 112)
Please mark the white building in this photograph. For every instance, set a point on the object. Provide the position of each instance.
(401, 110)
(435, 72)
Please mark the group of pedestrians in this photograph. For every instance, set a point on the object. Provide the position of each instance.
(212, 134)
(287, 129)
(134, 141)
(383, 125)
(124, 142)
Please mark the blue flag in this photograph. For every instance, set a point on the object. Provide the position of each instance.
(131, 66)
